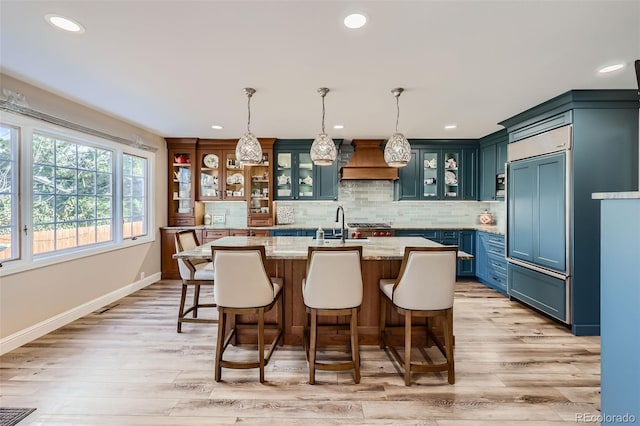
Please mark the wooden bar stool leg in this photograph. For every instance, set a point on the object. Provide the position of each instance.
(355, 350)
(196, 300)
(222, 322)
(312, 347)
(407, 348)
(261, 342)
(448, 342)
(183, 297)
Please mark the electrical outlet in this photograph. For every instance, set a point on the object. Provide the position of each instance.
(142, 275)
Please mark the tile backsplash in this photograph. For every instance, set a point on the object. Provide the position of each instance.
(372, 201)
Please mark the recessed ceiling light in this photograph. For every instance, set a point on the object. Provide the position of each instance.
(450, 126)
(65, 24)
(355, 20)
(338, 126)
(610, 68)
(216, 127)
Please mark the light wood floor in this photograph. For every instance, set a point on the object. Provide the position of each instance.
(126, 365)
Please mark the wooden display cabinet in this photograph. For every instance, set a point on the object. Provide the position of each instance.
(182, 206)
(259, 185)
(220, 176)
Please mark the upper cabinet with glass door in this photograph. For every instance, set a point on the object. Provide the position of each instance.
(220, 176)
(182, 172)
(297, 178)
(259, 187)
(436, 173)
(209, 185)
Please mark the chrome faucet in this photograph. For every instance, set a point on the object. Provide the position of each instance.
(342, 231)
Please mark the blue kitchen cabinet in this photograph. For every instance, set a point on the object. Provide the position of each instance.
(604, 130)
(492, 158)
(542, 291)
(439, 170)
(620, 293)
(297, 178)
(465, 240)
(537, 198)
(491, 264)
(467, 243)
(289, 232)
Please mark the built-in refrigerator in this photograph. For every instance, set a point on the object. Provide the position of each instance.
(539, 221)
(559, 153)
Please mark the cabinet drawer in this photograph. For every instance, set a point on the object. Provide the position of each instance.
(449, 235)
(541, 291)
(238, 233)
(213, 234)
(498, 280)
(259, 232)
(260, 222)
(183, 221)
(497, 264)
(431, 234)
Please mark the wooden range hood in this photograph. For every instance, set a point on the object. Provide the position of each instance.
(367, 162)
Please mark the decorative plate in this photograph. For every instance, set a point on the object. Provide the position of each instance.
(237, 178)
(450, 178)
(211, 160)
(284, 161)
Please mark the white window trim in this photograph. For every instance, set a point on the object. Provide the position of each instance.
(27, 260)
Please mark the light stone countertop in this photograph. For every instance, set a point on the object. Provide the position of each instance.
(615, 195)
(296, 248)
(492, 229)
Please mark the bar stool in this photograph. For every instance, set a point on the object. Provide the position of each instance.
(194, 273)
(332, 287)
(424, 289)
(243, 287)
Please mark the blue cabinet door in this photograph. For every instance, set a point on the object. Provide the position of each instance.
(537, 210)
(470, 174)
(410, 179)
(501, 156)
(549, 215)
(466, 268)
(488, 172)
(522, 197)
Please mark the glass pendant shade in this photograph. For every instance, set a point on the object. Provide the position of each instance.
(397, 151)
(323, 150)
(248, 149)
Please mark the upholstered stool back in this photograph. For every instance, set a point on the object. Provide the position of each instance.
(427, 282)
(241, 280)
(334, 279)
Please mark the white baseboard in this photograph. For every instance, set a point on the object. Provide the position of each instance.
(28, 334)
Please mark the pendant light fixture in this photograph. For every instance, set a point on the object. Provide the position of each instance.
(248, 149)
(397, 151)
(323, 150)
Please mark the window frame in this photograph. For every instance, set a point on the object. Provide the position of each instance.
(14, 159)
(145, 196)
(27, 260)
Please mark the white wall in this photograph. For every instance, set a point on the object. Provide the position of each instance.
(39, 300)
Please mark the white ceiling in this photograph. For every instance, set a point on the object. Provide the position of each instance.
(177, 67)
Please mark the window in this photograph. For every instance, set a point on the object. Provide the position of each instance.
(72, 194)
(9, 231)
(134, 196)
(66, 193)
